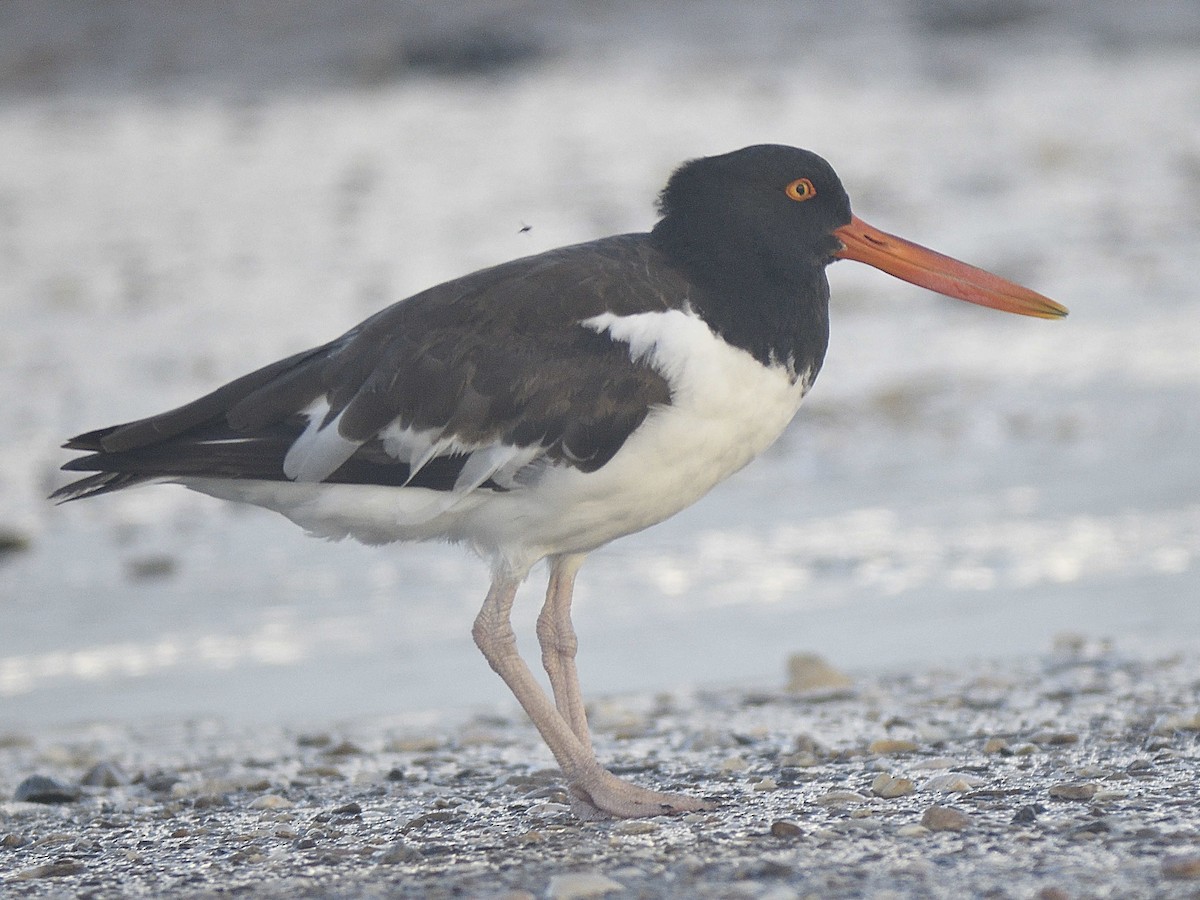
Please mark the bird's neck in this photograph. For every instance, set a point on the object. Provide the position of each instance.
(779, 313)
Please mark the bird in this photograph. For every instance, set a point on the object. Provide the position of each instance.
(541, 408)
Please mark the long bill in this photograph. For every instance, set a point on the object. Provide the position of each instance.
(946, 275)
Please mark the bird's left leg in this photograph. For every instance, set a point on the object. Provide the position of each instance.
(557, 638)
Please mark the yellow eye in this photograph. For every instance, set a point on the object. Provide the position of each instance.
(800, 189)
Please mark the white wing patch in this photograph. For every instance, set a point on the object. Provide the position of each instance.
(320, 450)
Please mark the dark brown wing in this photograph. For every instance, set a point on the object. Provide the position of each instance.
(494, 367)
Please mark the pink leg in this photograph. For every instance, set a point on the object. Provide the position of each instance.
(557, 637)
(595, 792)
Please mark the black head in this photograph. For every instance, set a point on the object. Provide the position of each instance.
(753, 231)
(769, 207)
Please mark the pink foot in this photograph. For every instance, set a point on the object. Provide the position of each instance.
(598, 794)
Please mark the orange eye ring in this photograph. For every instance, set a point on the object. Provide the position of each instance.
(801, 189)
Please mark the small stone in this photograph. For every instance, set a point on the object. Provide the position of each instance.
(316, 739)
(839, 798)
(802, 760)
(635, 826)
(549, 810)
(160, 782)
(888, 746)
(271, 801)
(734, 764)
(581, 885)
(912, 830)
(414, 744)
(778, 892)
(1026, 815)
(995, 745)
(1082, 790)
(345, 748)
(765, 784)
(52, 870)
(945, 818)
(41, 789)
(1182, 867)
(399, 853)
(1055, 738)
(1169, 724)
(933, 762)
(348, 809)
(785, 828)
(104, 774)
(11, 841)
(810, 674)
(952, 783)
(891, 786)
(321, 772)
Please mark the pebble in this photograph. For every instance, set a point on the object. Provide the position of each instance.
(952, 783)
(1169, 724)
(1182, 867)
(933, 762)
(1080, 790)
(995, 745)
(808, 673)
(51, 870)
(104, 774)
(888, 746)
(345, 748)
(1026, 815)
(635, 826)
(400, 852)
(945, 818)
(581, 885)
(1055, 738)
(43, 789)
(271, 801)
(734, 764)
(785, 828)
(890, 786)
(839, 798)
(765, 784)
(912, 830)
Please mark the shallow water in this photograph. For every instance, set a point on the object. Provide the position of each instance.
(960, 484)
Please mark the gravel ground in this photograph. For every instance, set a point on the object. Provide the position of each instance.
(1068, 776)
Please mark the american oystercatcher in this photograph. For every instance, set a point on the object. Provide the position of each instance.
(541, 408)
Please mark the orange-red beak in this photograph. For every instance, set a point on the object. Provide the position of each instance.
(929, 269)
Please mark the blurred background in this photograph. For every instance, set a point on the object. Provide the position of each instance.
(189, 191)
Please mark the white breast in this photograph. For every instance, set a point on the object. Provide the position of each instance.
(726, 408)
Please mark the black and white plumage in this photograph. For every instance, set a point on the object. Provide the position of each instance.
(544, 407)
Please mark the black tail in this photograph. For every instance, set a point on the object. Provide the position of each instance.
(198, 438)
